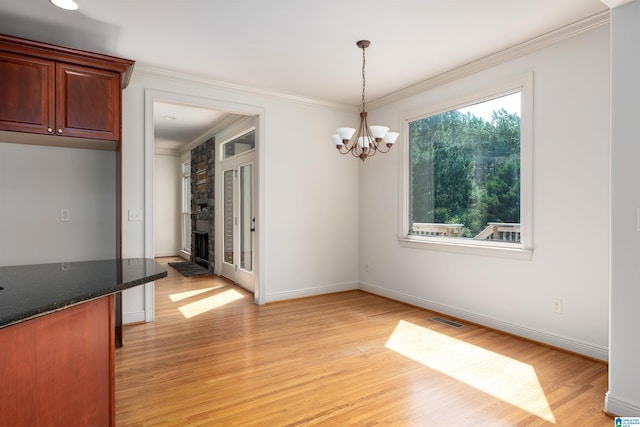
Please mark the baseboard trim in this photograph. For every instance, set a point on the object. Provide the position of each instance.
(166, 253)
(575, 346)
(133, 317)
(620, 407)
(310, 292)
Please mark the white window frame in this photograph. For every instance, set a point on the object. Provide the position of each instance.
(522, 250)
(186, 206)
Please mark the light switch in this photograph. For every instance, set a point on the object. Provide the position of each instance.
(135, 215)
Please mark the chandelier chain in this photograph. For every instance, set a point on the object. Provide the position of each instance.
(363, 78)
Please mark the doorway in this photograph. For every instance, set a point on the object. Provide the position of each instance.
(238, 225)
(257, 115)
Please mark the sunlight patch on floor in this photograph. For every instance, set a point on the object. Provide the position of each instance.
(503, 377)
(210, 303)
(188, 294)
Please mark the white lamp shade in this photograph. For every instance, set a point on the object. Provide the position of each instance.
(364, 141)
(391, 137)
(337, 140)
(378, 131)
(345, 133)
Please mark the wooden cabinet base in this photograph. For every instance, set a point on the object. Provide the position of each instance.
(58, 369)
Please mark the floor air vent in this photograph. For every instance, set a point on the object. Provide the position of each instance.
(447, 322)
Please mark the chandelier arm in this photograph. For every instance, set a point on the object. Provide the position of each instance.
(379, 147)
(373, 149)
(343, 152)
(347, 149)
(366, 136)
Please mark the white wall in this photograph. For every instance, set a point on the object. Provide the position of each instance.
(36, 182)
(167, 204)
(308, 193)
(623, 397)
(570, 210)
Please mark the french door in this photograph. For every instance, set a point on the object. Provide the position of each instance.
(238, 220)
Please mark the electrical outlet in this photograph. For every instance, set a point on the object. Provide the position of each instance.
(366, 267)
(65, 215)
(556, 305)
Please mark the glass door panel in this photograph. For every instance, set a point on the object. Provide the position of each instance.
(246, 217)
(228, 216)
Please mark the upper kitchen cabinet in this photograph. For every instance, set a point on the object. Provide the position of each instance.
(53, 95)
(27, 101)
(87, 102)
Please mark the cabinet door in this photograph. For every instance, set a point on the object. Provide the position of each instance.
(26, 94)
(58, 369)
(88, 102)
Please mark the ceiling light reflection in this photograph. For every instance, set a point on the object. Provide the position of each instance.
(65, 4)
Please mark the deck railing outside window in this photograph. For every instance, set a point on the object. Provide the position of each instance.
(504, 232)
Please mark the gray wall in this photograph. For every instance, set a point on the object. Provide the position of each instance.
(36, 182)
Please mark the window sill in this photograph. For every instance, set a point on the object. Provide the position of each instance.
(448, 245)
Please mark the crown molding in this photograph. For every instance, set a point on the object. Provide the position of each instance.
(497, 58)
(166, 152)
(615, 3)
(188, 78)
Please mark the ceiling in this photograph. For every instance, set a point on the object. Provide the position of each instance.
(299, 47)
(177, 125)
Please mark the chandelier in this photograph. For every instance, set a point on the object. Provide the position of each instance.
(369, 139)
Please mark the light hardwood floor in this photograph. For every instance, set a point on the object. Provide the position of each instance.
(213, 358)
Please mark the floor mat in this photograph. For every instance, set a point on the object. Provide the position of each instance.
(189, 269)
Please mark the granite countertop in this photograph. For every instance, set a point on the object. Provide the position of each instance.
(27, 291)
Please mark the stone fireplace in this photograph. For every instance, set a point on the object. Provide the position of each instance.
(202, 204)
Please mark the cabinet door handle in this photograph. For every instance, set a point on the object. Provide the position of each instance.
(49, 130)
(60, 131)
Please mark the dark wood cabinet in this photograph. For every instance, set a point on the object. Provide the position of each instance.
(27, 101)
(62, 93)
(87, 102)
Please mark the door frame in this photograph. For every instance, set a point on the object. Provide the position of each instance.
(152, 95)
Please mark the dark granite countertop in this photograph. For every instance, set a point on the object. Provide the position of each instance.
(34, 290)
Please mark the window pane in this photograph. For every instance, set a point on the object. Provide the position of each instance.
(186, 207)
(228, 216)
(239, 145)
(186, 232)
(465, 172)
(246, 218)
(186, 194)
